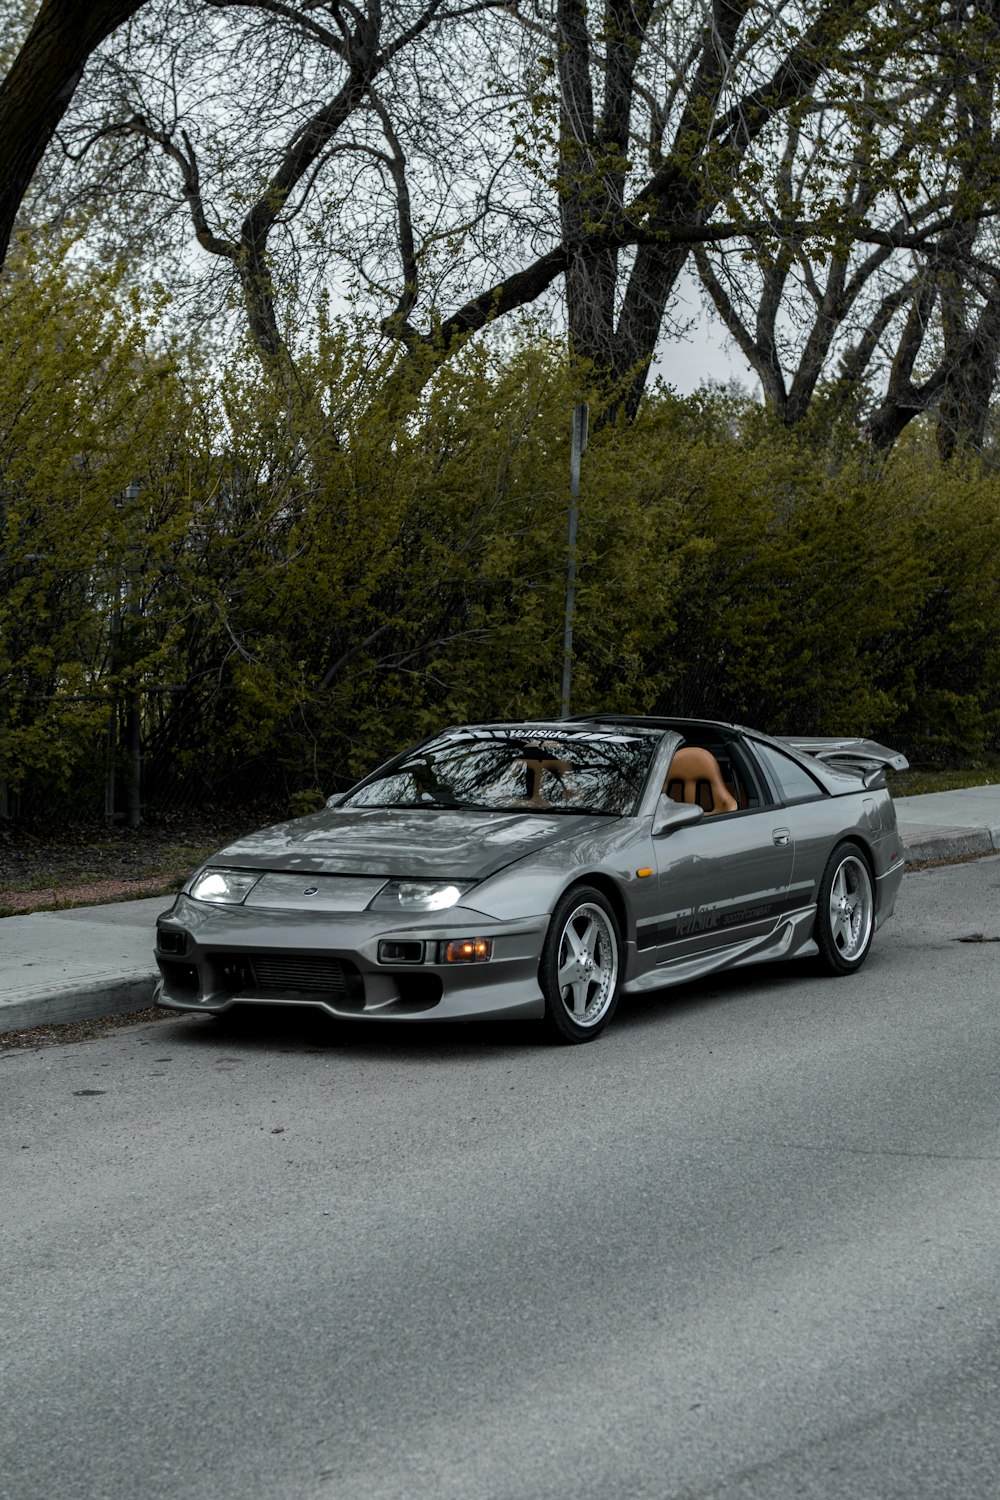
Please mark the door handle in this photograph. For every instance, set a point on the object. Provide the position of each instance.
(781, 836)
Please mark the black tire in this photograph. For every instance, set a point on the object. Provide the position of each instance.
(583, 938)
(845, 911)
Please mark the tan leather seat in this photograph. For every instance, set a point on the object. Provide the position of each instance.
(694, 776)
(536, 763)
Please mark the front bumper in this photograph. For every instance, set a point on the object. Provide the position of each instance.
(214, 957)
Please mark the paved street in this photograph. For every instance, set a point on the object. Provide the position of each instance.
(744, 1247)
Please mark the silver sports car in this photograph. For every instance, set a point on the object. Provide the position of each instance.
(544, 869)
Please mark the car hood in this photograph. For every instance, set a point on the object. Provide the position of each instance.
(404, 842)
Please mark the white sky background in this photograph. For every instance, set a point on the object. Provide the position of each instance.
(694, 348)
(697, 361)
(703, 352)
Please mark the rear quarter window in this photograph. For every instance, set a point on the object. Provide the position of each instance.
(793, 781)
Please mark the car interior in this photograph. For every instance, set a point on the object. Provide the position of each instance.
(715, 776)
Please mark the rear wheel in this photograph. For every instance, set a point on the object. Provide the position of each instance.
(580, 968)
(845, 914)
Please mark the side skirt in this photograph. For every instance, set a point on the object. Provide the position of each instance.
(792, 938)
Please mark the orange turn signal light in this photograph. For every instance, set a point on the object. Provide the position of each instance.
(646, 870)
(467, 950)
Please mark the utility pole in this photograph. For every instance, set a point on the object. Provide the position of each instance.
(578, 444)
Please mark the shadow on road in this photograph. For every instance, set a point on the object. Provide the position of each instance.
(264, 1028)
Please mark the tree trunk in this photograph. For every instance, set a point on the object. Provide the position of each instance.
(968, 386)
(36, 92)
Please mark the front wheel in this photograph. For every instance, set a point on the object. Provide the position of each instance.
(845, 913)
(580, 970)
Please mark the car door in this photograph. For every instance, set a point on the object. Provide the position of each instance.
(722, 882)
(814, 817)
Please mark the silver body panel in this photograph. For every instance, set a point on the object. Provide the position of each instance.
(726, 890)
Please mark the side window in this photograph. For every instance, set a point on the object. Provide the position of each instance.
(740, 777)
(793, 781)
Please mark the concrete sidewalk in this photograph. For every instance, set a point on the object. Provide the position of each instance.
(941, 825)
(58, 966)
(92, 961)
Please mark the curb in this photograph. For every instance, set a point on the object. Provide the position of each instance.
(79, 1002)
(951, 843)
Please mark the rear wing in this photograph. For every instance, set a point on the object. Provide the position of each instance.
(865, 758)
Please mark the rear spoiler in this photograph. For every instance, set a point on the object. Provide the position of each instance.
(865, 758)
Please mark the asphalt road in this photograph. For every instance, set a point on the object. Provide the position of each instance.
(745, 1247)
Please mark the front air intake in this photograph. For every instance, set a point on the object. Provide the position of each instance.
(278, 974)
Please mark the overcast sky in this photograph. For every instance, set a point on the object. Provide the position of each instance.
(704, 353)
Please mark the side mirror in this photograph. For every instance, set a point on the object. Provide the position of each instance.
(670, 815)
(336, 799)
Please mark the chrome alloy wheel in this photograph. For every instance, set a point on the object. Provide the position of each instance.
(852, 908)
(587, 965)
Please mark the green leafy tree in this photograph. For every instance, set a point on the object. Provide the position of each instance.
(82, 411)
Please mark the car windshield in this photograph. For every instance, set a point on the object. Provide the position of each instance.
(528, 768)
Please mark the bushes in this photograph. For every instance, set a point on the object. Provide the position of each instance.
(847, 598)
(286, 590)
(83, 410)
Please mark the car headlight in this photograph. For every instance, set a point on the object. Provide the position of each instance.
(228, 887)
(419, 895)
